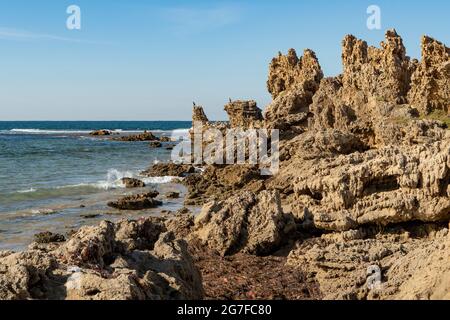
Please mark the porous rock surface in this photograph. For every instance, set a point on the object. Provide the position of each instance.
(123, 261)
(244, 223)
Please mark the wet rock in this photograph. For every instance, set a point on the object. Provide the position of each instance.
(136, 202)
(165, 139)
(172, 195)
(101, 133)
(155, 144)
(146, 136)
(48, 237)
(133, 183)
(90, 216)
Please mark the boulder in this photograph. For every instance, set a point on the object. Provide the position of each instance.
(101, 133)
(146, 136)
(48, 237)
(136, 202)
(155, 144)
(133, 183)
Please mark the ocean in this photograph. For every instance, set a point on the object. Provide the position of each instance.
(54, 174)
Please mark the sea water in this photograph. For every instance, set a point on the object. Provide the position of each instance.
(53, 173)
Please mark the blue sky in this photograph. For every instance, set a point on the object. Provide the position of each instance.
(148, 60)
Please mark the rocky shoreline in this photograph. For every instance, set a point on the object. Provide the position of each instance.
(360, 208)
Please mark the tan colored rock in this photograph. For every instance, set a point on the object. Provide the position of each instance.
(412, 263)
(430, 86)
(198, 115)
(131, 260)
(381, 73)
(292, 83)
(247, 222)
(286, 72)
(244, 114)
(385, 186)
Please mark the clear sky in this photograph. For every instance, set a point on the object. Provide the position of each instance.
(148, 60)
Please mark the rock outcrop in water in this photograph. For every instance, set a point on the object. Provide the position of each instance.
(137, 202)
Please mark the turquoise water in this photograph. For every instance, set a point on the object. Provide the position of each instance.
(52, 172)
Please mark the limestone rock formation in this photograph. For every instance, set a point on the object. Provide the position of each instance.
(130, 260)
(411, 263)
(198, 115)
(244, 114)
(430, 86)
(292, 83)
(288, 72)
(246, 222)
(385, 186)
(381, 73)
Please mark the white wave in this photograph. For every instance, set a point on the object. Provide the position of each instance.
(42, 211)
(174, 133)
(27, 190)
(159, 180)
(40, 131)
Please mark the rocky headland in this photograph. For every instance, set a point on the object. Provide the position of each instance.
(362, 191)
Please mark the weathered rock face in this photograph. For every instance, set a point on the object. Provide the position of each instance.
(130, 260)
(430, 87)
(136, 202)
(169, 170)
(244, 114)
(292, 83)
(385, 186)
(198, 115)
(383, 74)
(412, 263)
(133, 183)
(220, 182)
(248, 223)
(367, 99)
(288, 72)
